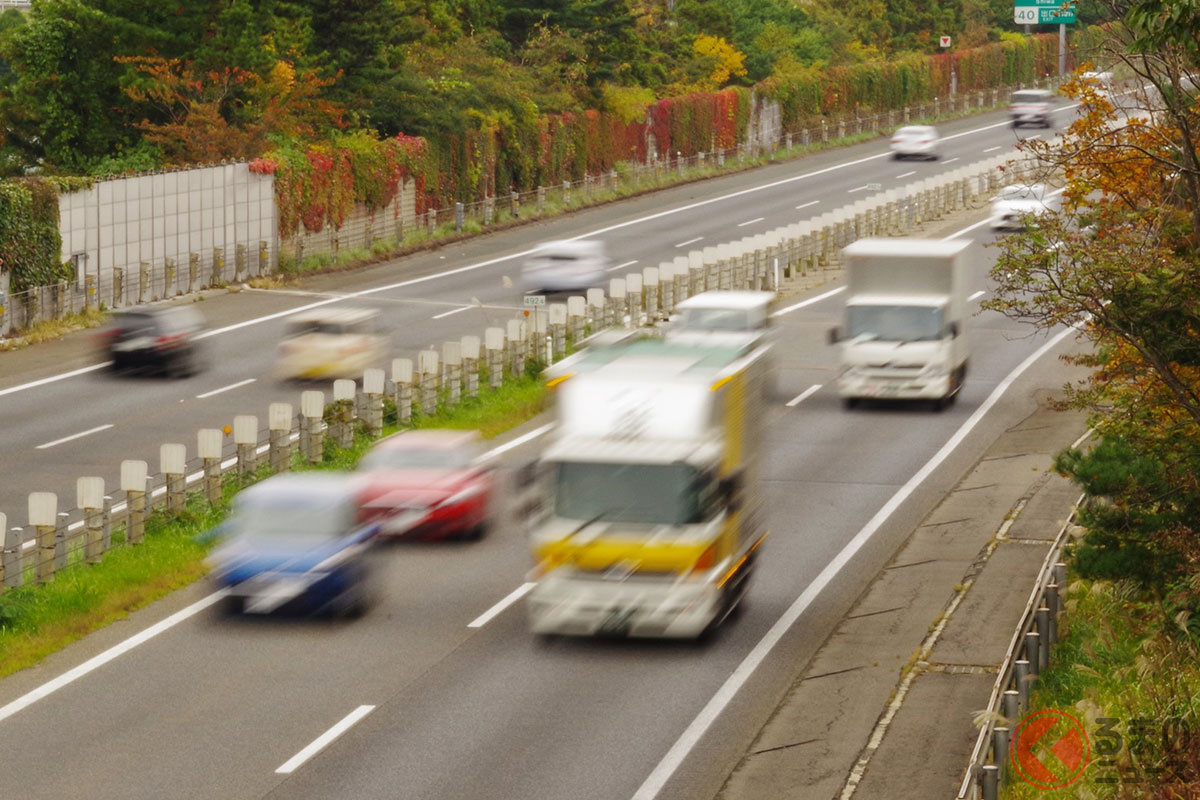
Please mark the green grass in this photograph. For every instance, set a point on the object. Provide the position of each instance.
(49, 329)
(37, 620)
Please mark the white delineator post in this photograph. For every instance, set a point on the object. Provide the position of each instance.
(576, 319)
(133, 483)
(312, 425)
(597, 309)
(402, 378)
(633, 286)
(427, 367)
(650, 282)
(43, 516)
(245, 436)
(171, 462)
(89, 496)
(452, 355)
(516, 347)
(373, 381)
(558, 331)
(493, 345)
(208, 447)
(279, 422)
(617, 301)
(469, 346)
(344, 390)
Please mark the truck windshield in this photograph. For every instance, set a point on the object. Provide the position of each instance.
(651, 494)
(894, 323)
(715, 319)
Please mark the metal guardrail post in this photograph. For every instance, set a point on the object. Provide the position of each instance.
(1023, 679)
(1033, 652)
(990, 778)
(1001, 739)
(1012, 705)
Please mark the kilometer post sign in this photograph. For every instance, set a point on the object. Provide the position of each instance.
(1044, 12)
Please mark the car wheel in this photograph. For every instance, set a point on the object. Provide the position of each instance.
(474, 534)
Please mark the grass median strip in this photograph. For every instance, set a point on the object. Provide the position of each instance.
(39, 619)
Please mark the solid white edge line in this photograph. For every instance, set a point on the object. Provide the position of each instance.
(978, 294)
(322, 741)
(993, 149)
(74, 436)
(800, 398)
(95, 662)
(856, 189)
(950, 160)
(451, 311)
(512, 597)
(520, 440)
(695, 731)
(228, 388)
(750, 222)
(967, 229)
(43, 381)
(809, 301)
(689, 241)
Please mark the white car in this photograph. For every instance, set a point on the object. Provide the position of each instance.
(1030, 106)
(330, 343)
(566, 267)
(1014, 202)
(920, 141)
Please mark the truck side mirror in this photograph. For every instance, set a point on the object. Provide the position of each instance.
(952, 330)
(834, 336)
(527, 475)
(730, 491)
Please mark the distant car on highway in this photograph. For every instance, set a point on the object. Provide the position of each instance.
(916, 141)
(1011, 207)
(329, 342)
(1030, 107)
(574, 266)
(427, 484)
(294, 543)
(161, 339)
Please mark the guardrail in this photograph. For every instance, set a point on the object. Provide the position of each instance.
(433, 380)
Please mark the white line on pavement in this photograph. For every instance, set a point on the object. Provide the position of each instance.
(800, 398)
(977, 295)
(513, 596)
(750, 221)
(451, 311)
(520, 440)
(809, 301)
(53, 378)
(689, 241)
(695, 731)
(322, 741)
(992, 149)
(73, 436)
(1034, 136)
(806, 205)
(950, 160)
(856, 189)
(72, 675)
(226, 388)
(619, 266)
(906, 174)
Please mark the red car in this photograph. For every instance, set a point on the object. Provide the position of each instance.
(427, 485)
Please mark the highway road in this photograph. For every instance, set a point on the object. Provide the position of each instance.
(431, 706)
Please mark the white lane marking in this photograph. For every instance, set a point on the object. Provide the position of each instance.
(520, 440)
(513, 596)
(1034, 136)
(72, 675)
(977, 295)
(230, 387)
(992, 149)
(695, 731)
(522, 253)
(74, 436)
(800, 398)
(856, 189)
(809, 301)
(806, 205)
(451, 311)
(621, 266)
(906, 174)
(750, 222)
(689, 241)
(322, 741)
(950, 160)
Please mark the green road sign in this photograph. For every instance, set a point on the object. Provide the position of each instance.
(1043, 12)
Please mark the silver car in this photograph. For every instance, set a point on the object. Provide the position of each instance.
(917, 141)
(566, 267)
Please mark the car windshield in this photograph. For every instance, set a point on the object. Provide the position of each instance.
(894, 323)
(290, 523)
(1020, 193)
(416, 458)
(650, 494)
(1028, 97)
(715, 319)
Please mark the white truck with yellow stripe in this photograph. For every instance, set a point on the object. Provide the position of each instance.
(646, 520)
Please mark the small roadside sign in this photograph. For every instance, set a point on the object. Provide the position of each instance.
(874, 187)
(535, 299)
(944, 41)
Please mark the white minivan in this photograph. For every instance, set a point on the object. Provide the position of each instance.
(574, 266)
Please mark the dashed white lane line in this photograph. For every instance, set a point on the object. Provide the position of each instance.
(906, 174)
(809, 301)
(992, 149)
(74, 436)
(856, 189)
(228, 388)
(322, 741)
(621, 266)
(520, 440)
(445, 314)
(950, 160)
(750, 221)
(689, 241)
(491, 613)
(977, 295)
(806, 205)
(800, 398)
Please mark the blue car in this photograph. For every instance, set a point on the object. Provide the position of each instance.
(292, 544)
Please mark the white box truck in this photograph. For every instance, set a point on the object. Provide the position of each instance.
(643, 510)
(903, 335)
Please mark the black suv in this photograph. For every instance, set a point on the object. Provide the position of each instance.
(160, 339)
